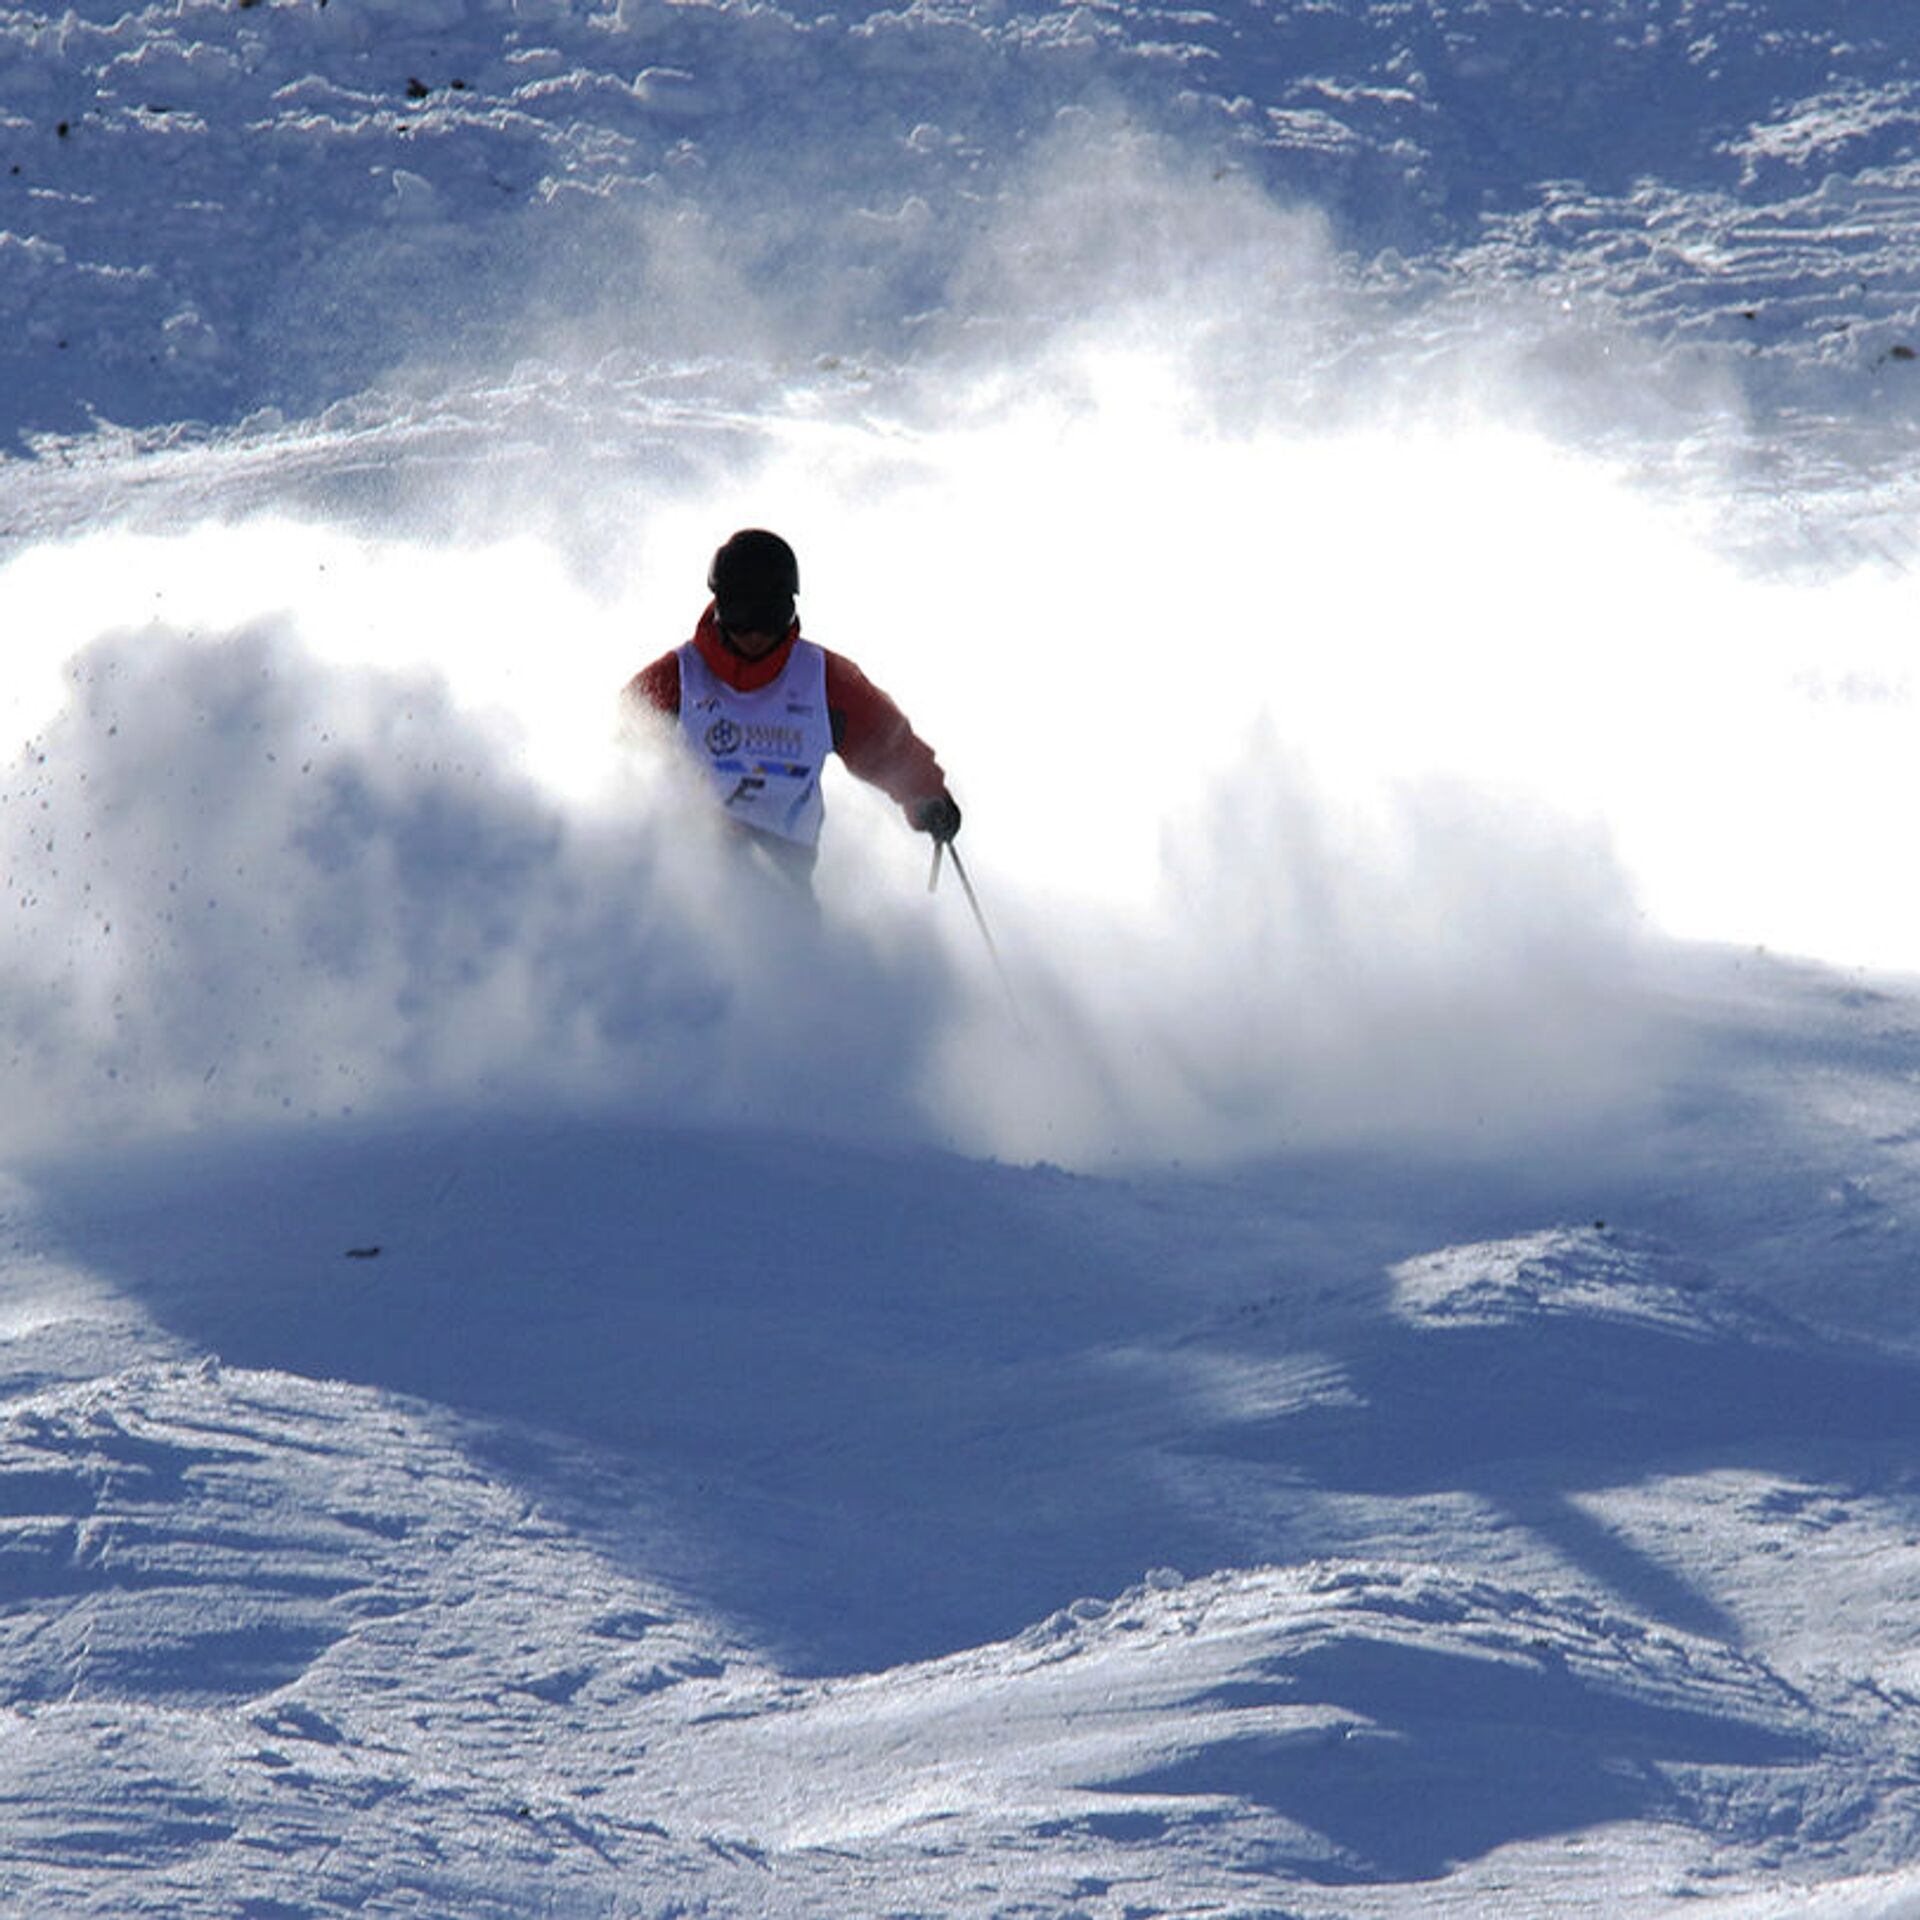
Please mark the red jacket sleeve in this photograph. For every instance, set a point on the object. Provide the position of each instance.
(873, 738)
(658, 686)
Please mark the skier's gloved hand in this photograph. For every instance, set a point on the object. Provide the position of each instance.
(938, 816)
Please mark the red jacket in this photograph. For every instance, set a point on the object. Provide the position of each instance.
(870, 733)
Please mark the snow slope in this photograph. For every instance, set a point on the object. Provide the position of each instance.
(1371, 1373)
(538, 1541)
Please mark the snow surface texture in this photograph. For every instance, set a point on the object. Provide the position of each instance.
(1372, 1371)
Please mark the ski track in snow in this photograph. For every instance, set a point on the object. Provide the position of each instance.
(458, 1457)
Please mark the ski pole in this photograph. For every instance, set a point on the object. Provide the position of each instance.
(986, 933)
(973, 900)
(933, 878)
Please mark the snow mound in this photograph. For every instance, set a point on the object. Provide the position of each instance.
(1588, 1273)
(1327, 1724)
(138, 1568)
(255, 1628)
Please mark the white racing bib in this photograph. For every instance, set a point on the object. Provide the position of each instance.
(763, 751)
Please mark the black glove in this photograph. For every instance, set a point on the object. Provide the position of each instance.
(938, 816)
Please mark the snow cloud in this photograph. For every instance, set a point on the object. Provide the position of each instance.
(1336, 738)
(325, 857)
(246, 884)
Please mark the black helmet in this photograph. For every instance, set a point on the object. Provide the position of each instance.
(754, 578)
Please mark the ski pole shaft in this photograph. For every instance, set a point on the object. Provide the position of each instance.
(986, 934)
(933, 877)
(973, 900)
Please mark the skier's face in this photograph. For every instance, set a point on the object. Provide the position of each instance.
(753, 640)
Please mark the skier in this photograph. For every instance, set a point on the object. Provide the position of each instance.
(762, 708)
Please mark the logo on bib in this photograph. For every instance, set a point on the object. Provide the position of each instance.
(723, 736)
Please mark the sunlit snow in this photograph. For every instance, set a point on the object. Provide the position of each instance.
(1355, 1356)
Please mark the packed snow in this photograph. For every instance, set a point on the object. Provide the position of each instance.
(1356, 1356)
